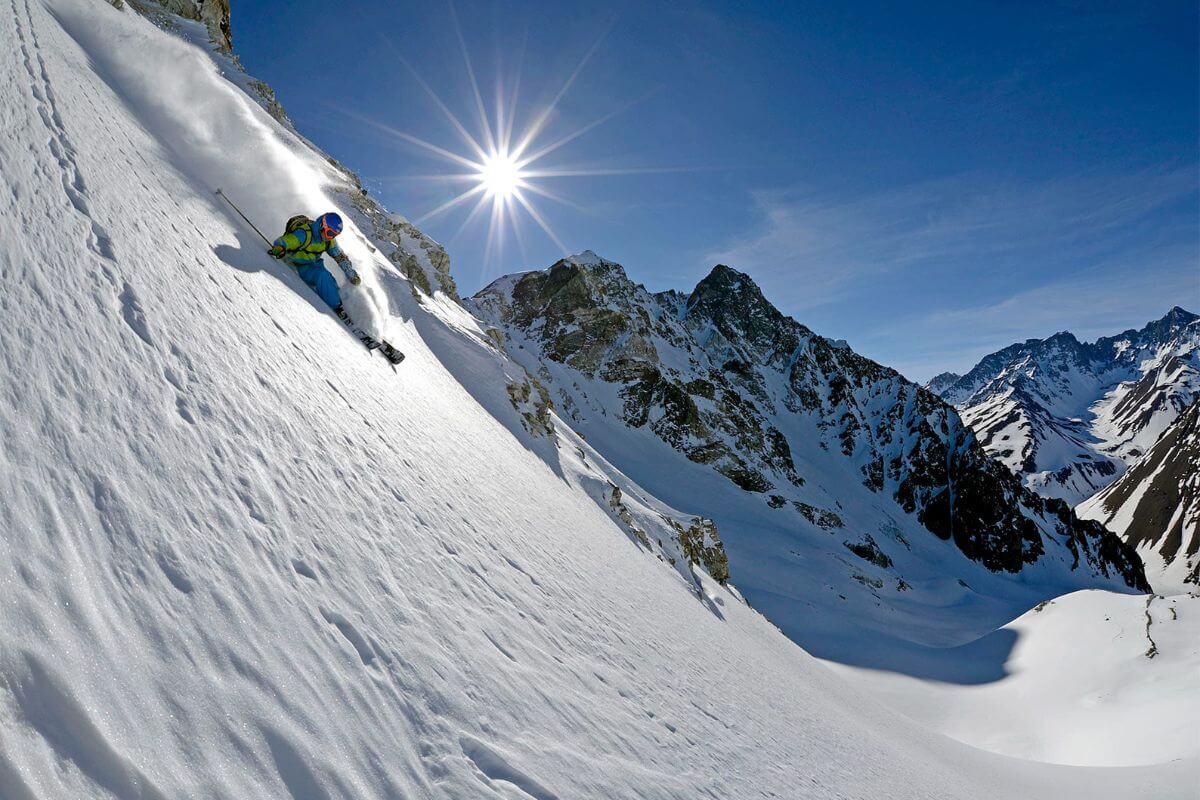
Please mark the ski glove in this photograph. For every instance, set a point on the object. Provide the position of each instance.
(277, 251)
(352, 276)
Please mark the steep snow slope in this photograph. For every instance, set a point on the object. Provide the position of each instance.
(858, 512)
(1094, 678)
(1155, 506)
(1069, 416)
(240, 558)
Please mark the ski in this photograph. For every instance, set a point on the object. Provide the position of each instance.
(393, 355)
(369, 341)
(385, 348)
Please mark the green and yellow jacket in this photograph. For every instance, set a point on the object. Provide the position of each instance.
(305, 247)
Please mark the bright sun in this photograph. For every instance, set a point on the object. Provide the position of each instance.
(501, 168)
(500, 176)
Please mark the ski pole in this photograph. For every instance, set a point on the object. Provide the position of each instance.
(243, 216)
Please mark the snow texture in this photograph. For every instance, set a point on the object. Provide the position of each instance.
(1112, 679)
(243, 558)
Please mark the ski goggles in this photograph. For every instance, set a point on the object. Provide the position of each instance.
(327, 233)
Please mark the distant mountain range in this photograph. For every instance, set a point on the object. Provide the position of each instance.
(821, 467)
(1070, 416)
(1155, 506)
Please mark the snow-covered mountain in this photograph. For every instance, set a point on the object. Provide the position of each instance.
(1155, 506)
(242, 558)
(1069, 416)
(841, 489)
(942, 381)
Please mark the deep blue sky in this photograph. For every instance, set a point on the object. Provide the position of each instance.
(930, 181)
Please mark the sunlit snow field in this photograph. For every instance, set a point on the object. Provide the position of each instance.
(240, 557)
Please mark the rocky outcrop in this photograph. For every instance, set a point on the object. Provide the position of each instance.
(724, 378)
(266, 96)
(213, 13)
(419, 258)
(702, 545)
(532, 401)
(696, 543)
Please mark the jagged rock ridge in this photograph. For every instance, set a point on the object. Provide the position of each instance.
(1068, 415)
(723, 377)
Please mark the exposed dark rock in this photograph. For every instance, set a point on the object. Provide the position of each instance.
(1155, 505)
(732, 367)
(702, 545)
(819, 516)
(532, 401)
(868, 550)
(699, 541)
(213, 13)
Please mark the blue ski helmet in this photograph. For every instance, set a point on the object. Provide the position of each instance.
(330, 225)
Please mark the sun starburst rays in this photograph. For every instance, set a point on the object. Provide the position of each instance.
(501, 175)
(502, 166)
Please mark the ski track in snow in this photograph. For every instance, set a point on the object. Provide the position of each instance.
(242, 560)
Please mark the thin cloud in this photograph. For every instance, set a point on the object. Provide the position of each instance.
(1000, 260)
(1119, 295)
(829, 246)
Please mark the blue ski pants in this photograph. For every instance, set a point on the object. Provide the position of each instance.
(321, 282)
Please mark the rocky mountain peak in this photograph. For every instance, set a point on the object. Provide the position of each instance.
(734, 304)
(1062, 339)
(1164, 330)
(723, 285)
(584, 311)
(1167, 327)
(1180, 316)
(588, 258)
(938, 383)
(575, 283)
(808, 429)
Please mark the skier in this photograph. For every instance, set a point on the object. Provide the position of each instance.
(302, 245)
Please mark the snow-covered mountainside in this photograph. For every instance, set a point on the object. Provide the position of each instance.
(1155, 506)
(846, 495)
(942, 381)
(241, 558)
(1077, 689)
(1069, 416)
